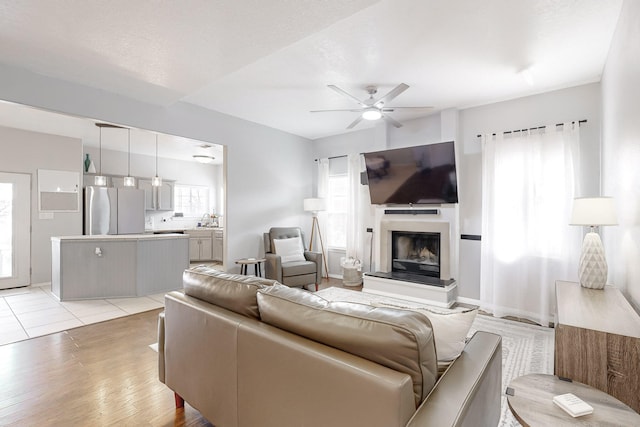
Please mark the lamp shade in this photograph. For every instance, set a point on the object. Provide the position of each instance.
(314, 205)
(593, 211)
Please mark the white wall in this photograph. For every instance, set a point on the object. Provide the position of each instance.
(621, 151)
(26, 152)
(267, 171)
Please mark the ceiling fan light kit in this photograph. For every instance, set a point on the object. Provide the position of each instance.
(372, 108)
(372, 113)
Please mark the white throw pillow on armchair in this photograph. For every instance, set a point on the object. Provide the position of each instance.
(289, 249)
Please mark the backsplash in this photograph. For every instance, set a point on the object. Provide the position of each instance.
(166, 221)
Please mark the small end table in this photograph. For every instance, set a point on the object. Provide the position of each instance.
(244, 262)
(530, 400)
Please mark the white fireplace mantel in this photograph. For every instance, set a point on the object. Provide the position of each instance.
(401, 223)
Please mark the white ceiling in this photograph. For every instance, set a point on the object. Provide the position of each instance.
(270, 61)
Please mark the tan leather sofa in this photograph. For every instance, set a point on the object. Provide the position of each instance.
(247, 352)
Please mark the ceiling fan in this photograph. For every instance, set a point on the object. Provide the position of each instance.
(372, 108)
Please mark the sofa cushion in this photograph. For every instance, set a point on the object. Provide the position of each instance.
(449, 328)
(398, 339)
(296, 268)
(234, 292)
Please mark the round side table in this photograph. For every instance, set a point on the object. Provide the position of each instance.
(256, 262)
(530, 400)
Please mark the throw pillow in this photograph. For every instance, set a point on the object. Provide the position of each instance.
(450, 330)
(289, 249)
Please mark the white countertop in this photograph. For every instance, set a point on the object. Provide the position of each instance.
(182, 230)
(123, 237)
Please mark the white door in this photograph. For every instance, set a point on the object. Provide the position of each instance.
(15, 238)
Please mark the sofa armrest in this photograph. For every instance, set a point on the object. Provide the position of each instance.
(317, 258)
(161, 347)
(273, 267)
(469, 393)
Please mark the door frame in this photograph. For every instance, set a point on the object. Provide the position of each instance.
(21, 236)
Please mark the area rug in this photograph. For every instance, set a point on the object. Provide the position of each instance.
(526, 348)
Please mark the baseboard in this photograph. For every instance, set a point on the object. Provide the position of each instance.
(34, 285)
(469, 301)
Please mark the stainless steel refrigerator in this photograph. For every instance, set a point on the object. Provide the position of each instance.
(113, 210)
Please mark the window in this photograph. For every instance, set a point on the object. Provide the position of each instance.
(337, 194)
(191, 200)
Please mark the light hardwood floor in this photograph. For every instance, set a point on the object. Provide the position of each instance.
(104, 374)
(98, 375)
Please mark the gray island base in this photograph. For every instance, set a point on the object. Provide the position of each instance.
(114, 266)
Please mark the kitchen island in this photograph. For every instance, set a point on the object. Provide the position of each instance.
(113, 266)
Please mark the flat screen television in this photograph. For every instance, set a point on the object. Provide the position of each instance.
(425, 174)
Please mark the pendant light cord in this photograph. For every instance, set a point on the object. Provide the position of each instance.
(156, 155)
(129, 159)
(100, 168)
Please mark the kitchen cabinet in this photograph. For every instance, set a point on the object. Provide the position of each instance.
(217, 245)
(200, 245)
(157, 198)
(114, 266)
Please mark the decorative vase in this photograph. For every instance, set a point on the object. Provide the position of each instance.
(593, 265)
(87, 162)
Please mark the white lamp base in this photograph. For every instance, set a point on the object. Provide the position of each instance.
(593, 265)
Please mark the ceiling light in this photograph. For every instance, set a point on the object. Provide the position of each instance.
(129, 181)
(203, 158)
(156, 181)
(371, 113)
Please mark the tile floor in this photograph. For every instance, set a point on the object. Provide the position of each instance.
(34, 311)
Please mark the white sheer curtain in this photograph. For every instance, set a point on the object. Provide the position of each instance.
(354, 209)
(529, 181)
(323, 188)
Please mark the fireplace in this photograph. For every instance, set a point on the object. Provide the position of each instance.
(422, 230)
(414, 261)
(415, 253)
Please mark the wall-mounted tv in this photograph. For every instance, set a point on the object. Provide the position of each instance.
(425, 174)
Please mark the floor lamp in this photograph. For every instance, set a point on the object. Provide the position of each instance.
(314, 206)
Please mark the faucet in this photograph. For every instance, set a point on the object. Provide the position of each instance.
(204, 220)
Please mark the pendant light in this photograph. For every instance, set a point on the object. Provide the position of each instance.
(129, 181)
(156, 181)
(100, 179)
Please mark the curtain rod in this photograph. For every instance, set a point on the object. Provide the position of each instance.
(534, 128)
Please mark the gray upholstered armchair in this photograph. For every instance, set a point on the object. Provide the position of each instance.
(291, 273)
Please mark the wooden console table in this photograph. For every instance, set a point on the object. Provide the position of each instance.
(597, 340)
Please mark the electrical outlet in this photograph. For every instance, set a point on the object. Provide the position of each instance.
(369, 230)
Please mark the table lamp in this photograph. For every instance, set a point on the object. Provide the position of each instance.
(592, 212)
(315, 205)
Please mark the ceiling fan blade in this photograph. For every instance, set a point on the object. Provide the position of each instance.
(356, 110)
(343, 93)
(394, 92)
(395, 123)
(407, 108)
(355, 122)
